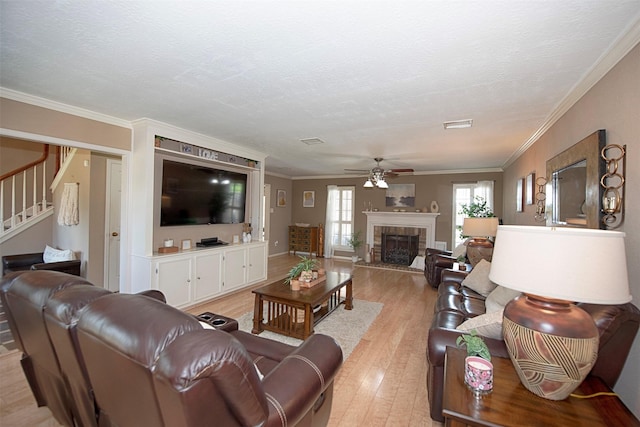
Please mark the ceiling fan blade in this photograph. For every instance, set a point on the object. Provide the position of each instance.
(400, 170)
(357, 170)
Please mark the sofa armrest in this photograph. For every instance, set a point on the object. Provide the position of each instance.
(439, 339)
(453, 276)
(69, 267)
(310, 368)
(155, 294)
(20, 262)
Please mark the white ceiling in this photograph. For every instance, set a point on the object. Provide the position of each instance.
(370, 78)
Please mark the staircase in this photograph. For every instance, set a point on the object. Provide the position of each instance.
(26, 193)
(26, 198)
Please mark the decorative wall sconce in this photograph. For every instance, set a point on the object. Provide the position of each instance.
(541, 197)
(613, 183)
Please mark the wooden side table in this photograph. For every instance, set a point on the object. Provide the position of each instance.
(510, 404)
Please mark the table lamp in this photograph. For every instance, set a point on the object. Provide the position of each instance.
(479, 247)
(553, 343)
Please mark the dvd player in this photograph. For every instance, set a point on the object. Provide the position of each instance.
(211, 241)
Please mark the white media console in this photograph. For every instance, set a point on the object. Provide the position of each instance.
(191, 277)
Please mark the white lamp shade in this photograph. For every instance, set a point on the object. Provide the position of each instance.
(368, 184)
(579, 265)
(480, 226)
(382, 184)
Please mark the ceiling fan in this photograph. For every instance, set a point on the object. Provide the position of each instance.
(377, 174)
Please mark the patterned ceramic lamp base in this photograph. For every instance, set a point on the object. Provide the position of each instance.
(549, 366)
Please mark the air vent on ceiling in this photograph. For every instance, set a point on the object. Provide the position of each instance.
(312, 141)
(458, 124)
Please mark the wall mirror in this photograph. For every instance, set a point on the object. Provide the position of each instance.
(574, 178)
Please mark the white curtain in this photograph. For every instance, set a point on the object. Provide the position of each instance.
(68, 214)
(484, 189)
(332, 220)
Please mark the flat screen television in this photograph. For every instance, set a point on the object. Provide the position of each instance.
(196, 195)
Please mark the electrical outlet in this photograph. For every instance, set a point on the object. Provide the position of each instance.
(275, 243)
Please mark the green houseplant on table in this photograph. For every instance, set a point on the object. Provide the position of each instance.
(301, 271)
(478, 369)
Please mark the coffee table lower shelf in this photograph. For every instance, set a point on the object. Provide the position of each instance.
(295, 313)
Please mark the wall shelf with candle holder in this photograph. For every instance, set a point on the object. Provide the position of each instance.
(613, 183)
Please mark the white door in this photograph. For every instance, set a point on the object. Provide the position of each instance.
(112, 225)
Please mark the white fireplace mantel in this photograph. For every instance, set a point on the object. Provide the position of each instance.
(402, 219)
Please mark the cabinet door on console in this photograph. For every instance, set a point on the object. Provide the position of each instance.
(173, 278)
(208, 276)
(235, 268)
(257, 264)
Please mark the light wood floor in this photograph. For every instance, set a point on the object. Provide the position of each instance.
(382, 383)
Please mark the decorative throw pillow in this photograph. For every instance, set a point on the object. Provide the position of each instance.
(57, 255)
(488, 325)
(478, 279)
(460, 250)
(499, 297)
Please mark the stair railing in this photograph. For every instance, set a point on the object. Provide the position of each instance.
(14, 184)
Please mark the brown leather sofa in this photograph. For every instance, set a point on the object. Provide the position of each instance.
(97, 358)
(617, 324)
(35, 261)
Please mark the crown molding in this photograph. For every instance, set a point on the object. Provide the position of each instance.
(63, 108)
(618, 50)
(364, 175)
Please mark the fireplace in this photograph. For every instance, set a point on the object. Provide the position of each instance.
(420, 224)
(399, 248)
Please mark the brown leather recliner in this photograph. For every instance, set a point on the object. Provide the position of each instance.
(24, 296)
(42, 309)
(617, 325)
(152, 364)
(435, 261)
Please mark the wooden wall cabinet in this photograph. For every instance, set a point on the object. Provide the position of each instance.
(305, 239)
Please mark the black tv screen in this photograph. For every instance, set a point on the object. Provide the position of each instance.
(193, 195)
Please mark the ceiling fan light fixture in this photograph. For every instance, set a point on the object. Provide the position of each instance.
(382, 184)
(458, 124)
(368, 184)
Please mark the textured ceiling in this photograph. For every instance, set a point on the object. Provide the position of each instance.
(370, 78)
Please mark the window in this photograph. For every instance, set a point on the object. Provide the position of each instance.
(465, 194)
(340, 219)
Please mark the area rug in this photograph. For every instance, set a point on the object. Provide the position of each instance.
(347, 327)
(385, 266)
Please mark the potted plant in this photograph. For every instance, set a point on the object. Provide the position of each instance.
(302, 271)
(355, 241)
(478, 371)
(462, 262)
(477, 209)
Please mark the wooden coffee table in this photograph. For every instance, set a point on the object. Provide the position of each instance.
(295, 313)
(510, 404)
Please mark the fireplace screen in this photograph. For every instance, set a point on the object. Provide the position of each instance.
(399, 248)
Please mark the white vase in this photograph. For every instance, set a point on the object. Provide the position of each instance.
(434, 207)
